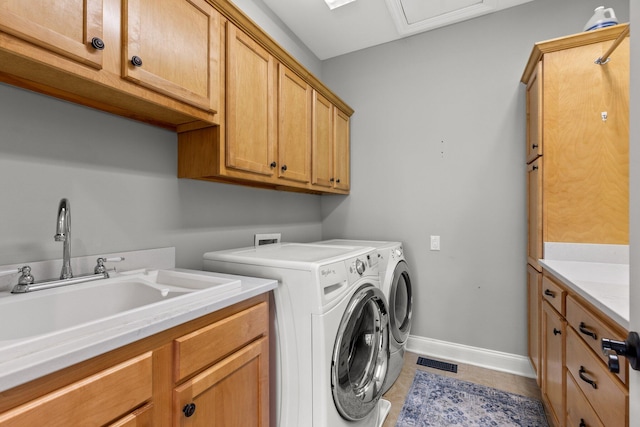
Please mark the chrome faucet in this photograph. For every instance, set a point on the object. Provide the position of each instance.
(63, 234)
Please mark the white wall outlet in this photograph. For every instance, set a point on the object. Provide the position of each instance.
(435, 243)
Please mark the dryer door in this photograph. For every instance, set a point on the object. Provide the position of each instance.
(400, 303)
(361, 354)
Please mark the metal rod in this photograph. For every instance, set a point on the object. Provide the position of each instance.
(613, 47)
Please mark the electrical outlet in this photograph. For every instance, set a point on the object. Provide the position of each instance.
(435, 243)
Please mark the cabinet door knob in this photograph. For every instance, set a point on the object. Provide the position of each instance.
(556, 331)
(582, 423)
(534, 146)
(548, 293)
(332, 180)
(189, 409)
(585, 331)
(338, 180)
(136, 61)
(273, 165)
(97, 43)
(584, 378)
(284, 168)
(534, 167)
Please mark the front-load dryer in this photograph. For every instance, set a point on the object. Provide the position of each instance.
(395, 282)
(330, 331)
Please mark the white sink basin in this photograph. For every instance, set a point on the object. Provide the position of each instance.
(70, 307)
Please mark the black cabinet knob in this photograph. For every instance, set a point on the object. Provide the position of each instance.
(332, 180)
(556, 331)
(284, 168)
(97, 43)
(338, 180)
(273, 165)
(534, 167)
(189, 409)
(534, 146)
(136, 61)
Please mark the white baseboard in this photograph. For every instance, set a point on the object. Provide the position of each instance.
(490, 359)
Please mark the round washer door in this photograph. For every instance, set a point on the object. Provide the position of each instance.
(361, 354)
(400, 303)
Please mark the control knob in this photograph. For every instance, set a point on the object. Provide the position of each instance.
(360, 266)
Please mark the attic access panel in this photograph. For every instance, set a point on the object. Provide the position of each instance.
(413, 16)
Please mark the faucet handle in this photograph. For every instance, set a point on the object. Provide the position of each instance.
(100, 267)
(26, 278)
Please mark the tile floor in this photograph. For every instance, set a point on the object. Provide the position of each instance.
(500, 380)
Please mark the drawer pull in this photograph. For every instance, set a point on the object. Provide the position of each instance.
(556, 331)
(585, 331)
(583, 377)
(582, 423)
(548, 293)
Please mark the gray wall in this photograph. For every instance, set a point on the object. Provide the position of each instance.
(120, 177)
(437, 148)
(438, 140)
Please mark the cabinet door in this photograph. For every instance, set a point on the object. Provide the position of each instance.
(250, 107)
(294, 126)
(66, 27)
(234, 392)
(322, 142)
(534, 285)
(586, 125)
(178, 46)
(125, 386)
(534, 114)
(534, 213)
(553, 350)
(341, 150)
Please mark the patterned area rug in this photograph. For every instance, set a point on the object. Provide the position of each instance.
(438, 401)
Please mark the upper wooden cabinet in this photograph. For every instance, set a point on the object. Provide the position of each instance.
(277, 130)
(66, 27)
(330, 145)
(250, 106)
(81, 50)
(578, 122)
(172, 46)
(294, 126)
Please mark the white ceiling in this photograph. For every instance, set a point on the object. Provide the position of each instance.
(366, 23)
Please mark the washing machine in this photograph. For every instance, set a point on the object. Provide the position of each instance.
(330, 331)
(395, 282)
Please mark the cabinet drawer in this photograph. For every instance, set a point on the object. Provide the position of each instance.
(205, 346)
(592, 330)
(579, 411)
(141, 417)
(124, 386)
(553, 294)
(606, 395)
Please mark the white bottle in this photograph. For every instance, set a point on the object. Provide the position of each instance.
(601, 18)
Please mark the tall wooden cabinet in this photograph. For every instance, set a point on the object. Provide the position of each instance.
(577, 173)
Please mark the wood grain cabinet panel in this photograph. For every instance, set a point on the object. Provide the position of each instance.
(66, 27)
(605, 393)
(534, 302)
(95, 400)
(553, 356)
(233, 392)
(294, 126)
(342, 150)
(176, 43)
(579, 411)
(250, 106)
(322, 142)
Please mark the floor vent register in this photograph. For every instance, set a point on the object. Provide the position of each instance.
(443, 366)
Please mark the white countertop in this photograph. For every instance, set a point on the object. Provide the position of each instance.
(27, 359)
(605, 285)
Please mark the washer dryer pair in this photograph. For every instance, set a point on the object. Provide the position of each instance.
(330, 331)
(396, 285)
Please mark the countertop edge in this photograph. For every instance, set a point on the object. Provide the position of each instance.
(555, 268)
(38, 364)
